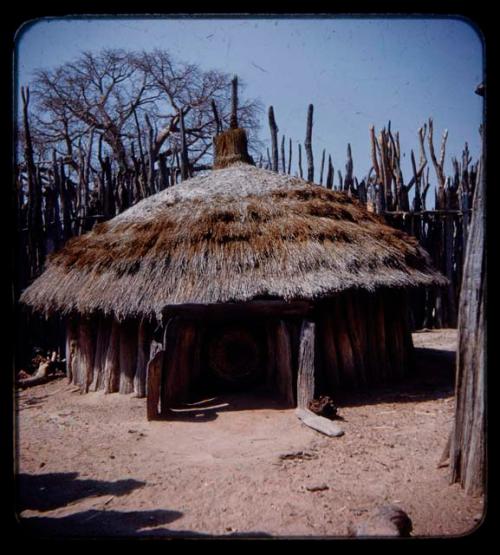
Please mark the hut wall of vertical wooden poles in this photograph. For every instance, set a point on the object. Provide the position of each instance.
(361, 339)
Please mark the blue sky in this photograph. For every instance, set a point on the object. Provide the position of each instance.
(356, 71)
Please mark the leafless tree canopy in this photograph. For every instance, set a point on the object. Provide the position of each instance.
(131, 100)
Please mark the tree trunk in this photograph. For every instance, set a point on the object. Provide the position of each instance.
(468, 441)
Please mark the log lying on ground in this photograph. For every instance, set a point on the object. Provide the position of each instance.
(42, 374)
(319, 423)
(30, 382)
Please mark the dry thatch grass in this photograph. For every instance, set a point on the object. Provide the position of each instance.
(231, 147)
(236, 234)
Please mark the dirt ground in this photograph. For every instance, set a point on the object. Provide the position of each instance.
(240, 466)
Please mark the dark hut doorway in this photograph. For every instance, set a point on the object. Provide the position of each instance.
(234, 357)
(246, 360)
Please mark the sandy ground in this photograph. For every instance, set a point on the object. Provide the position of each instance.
(91, 465)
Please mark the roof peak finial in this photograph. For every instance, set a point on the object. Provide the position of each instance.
(231, 145)
(233, 122)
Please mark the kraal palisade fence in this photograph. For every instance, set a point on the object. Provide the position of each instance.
(59, 198)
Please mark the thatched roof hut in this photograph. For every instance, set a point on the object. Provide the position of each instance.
(238, 246)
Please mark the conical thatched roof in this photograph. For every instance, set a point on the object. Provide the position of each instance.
(236, 234)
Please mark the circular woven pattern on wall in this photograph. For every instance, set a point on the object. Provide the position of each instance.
(235, 355)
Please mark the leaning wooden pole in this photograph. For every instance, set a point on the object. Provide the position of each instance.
(468, 438)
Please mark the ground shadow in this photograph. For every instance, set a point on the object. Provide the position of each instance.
(433, 378)
(31, 402)
(206, 407)
(101, 523)
(45, 492)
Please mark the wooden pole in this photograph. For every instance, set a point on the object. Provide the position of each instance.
(86, 351)
(234, 103)
(305, 378)
(112, 362)
(178, 368)
(345, 348)
(102, 341)
(283, 161)
(142, 359)
(326, 332)
(306, 384)
(468, 439)
(355, 323)
(184, 160)
(154, 372)
(329, 174)
(322, 167)
(300, 161)
(128, 355)
(284, 362)
(274, 140)
(308, 144)
(289, 168)
(71, 349)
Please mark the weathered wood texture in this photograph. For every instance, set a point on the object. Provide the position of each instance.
(181, 363)
(128, 355)
(228, 311)
(319, 423)
(305, 378)
(468, 440)
(274, 139)
(143, 352)
(154, 373)
(283, 362)
(363, 339)
(308, 144)
(102, 342)
(112, 360)
(71, 348)
(86, 351)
